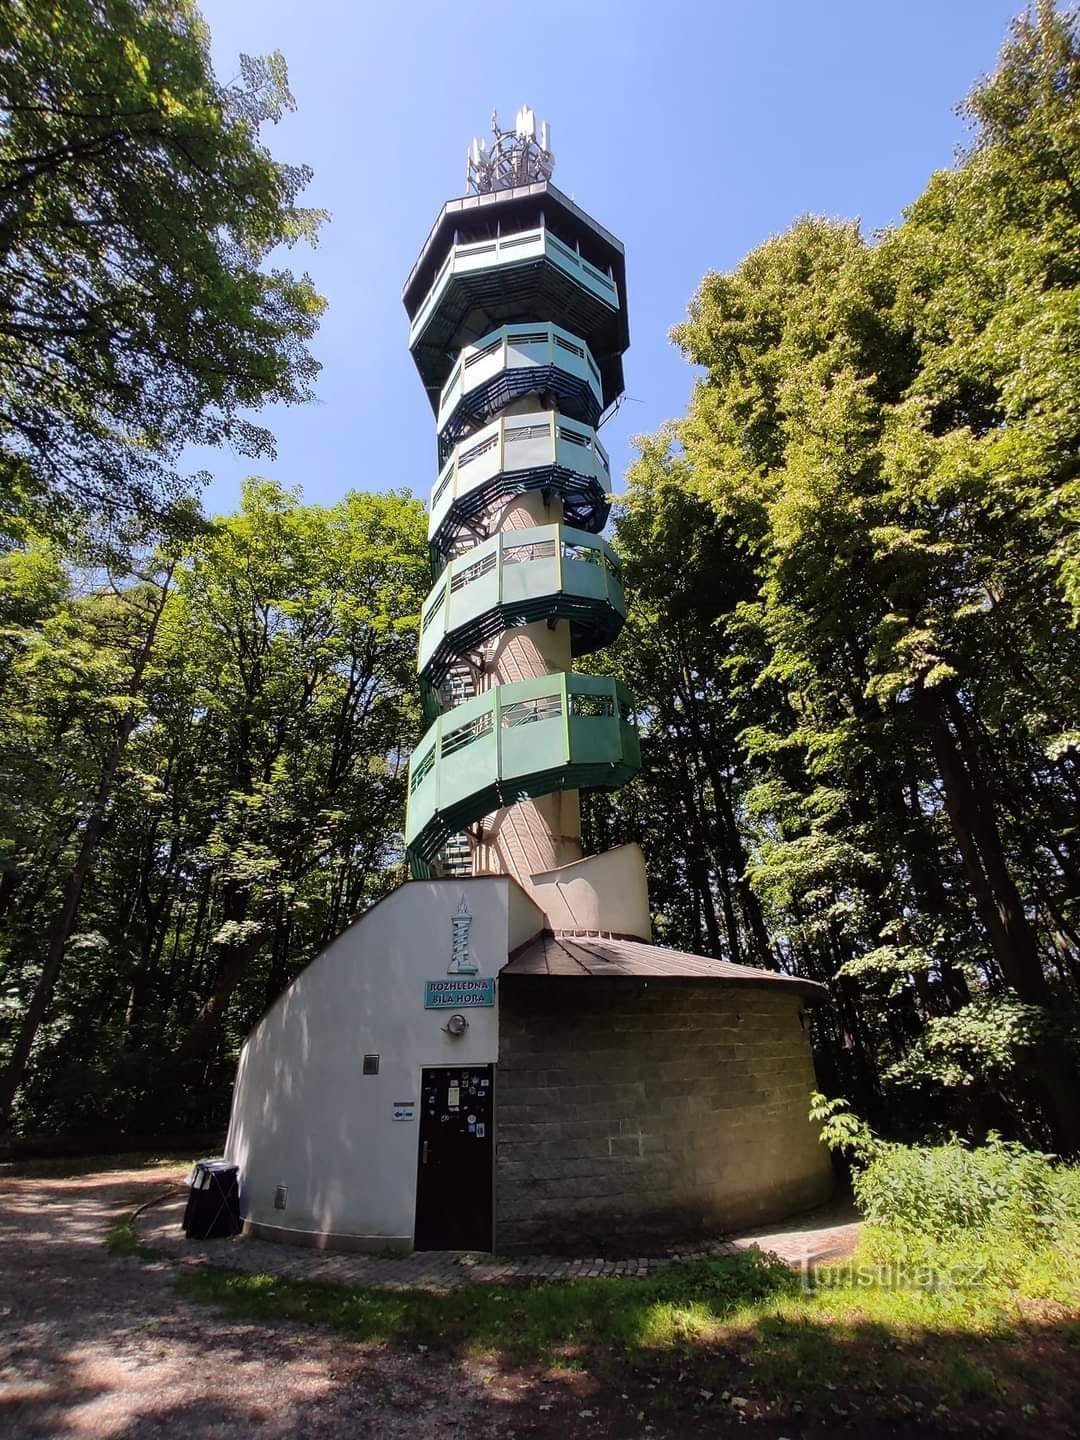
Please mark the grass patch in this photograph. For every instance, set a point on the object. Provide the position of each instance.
(537, 1323)
(122, 1241)
(741, 1329)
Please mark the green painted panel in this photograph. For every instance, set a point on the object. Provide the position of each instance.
(530, 580)
(594, 741)
(465, 771)
(585, 578)
(475, 771)
(535, 745)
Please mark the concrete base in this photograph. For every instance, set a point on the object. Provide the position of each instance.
(629, 1112)
(632, 1113)
(329, 1240)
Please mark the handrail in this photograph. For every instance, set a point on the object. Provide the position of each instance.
(511, 429)
(567, 756)
(505, 249)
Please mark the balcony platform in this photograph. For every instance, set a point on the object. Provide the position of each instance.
(527, 277)
(515, 454)
(511, 362)
(547, 572)
(518, 742)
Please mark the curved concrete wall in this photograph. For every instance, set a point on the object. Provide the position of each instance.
(609, 891)
(632, 1112)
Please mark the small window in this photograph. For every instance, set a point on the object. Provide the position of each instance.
(476, 571)
(524, 712)
(592, 705)
(421, 771)
(371, 1064)
(455, 740)
(512, 433)
(520, 554)
(434, 608)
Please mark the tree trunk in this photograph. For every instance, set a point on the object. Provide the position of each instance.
(64, 923)
(972, 815)
(234, 961)
(204, 1028)
(974, 826)
(10, 881)
(749, 903)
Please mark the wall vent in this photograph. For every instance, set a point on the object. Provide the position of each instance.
(371, 1064)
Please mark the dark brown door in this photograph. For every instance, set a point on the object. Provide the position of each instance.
(453, 1186)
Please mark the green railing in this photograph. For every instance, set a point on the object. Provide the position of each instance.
(541, 441)
(516, 577)
(503, 253)
(517, 742)
(517, 348)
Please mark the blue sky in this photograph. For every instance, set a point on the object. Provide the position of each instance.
(693, 129)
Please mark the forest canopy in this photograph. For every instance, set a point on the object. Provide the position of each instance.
(856, 578)
(138, 205)
(203, 774)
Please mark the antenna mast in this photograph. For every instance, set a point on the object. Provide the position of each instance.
(521, 156)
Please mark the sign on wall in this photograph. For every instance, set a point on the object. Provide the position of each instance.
(459, 993)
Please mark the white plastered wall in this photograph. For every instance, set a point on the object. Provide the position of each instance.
(305, 1116)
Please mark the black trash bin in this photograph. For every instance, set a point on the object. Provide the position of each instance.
(213, 1205)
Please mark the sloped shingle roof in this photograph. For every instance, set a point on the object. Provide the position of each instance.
(607, 957)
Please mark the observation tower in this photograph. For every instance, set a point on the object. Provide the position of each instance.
(495, 1055)
(518, 325)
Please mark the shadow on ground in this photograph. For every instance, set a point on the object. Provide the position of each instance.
(100, 1346)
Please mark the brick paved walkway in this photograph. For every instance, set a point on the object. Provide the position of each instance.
(829, 1232)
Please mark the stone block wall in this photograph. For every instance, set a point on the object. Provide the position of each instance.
(630, 1113)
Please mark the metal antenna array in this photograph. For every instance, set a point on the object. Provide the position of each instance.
(516, 157)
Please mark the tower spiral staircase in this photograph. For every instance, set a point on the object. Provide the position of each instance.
(518, 324)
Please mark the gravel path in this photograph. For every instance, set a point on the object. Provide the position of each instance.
(439, 1270)
(92, 1345)
(828, 1233)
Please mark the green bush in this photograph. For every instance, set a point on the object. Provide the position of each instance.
(953, 1191)
(1002, 1212)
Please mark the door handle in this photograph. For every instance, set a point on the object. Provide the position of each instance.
(423, 1159)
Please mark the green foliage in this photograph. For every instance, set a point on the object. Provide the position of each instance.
(842, 1130)
(997, 1192)
(996, 1214)
(854, 561)
(989, 1040)
(121, 1242)
(254, 804)
(999, 1216)
(137, 204)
